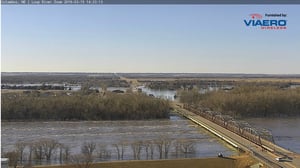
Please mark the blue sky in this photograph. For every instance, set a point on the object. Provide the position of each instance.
(147, 38)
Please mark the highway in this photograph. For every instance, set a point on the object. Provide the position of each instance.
(264, 156)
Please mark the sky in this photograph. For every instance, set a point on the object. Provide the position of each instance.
(147, 38)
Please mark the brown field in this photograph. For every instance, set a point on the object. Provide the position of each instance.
(243, 161)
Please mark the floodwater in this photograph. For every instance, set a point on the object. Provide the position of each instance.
(285, 131)
(164, 93)
(107, 133)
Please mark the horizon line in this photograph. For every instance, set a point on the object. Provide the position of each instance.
(230, 73)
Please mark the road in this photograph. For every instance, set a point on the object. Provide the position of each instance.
(235, 140)
(133, 82)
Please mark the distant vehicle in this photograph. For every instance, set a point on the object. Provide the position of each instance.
(283, 159)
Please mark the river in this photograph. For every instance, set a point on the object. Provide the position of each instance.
(285, 131)
(74, 134)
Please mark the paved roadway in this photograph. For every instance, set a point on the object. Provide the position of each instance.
(256, 151)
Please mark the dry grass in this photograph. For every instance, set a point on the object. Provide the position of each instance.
(243, 161)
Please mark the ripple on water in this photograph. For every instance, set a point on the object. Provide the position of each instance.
(74, 134)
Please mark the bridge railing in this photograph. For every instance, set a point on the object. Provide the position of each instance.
(241, 128)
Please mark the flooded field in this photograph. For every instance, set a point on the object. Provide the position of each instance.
(164, 93)
(108, 133)
(285, 131)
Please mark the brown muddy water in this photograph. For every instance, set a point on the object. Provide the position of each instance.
(107, 133)
(285, 131)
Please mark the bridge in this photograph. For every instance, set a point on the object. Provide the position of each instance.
(266, 153)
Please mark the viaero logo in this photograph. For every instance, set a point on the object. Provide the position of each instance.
(256, 16)
(267, 24)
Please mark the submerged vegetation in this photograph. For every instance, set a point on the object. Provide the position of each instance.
(248, 101)
(47, 151)
(80, 106)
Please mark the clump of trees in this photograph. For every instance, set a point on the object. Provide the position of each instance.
(36, 152)
(79, 106)
(190, 96)
(248, 101)
(186, 84)
(42, 87)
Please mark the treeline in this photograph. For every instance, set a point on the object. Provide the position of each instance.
(248, 101)
(92, 79)
(44, 77)
(186, 84)
(219, 83)
(41, 87)
(52, 86)
(111, 106)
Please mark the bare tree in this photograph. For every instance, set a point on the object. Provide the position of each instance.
(49, 147)
(177, 146)
(163, 145)
(31, 147)
(43, 149)
(67, 153)
(152, 148)
(88, 148)
(103, 152)
(120, 149)
(167, 145)
(123, 146)
(146, 146)
(20, 147)
(136, 149)
(64, 153)
(187, 146)
(38, 150)
(82, 161)
(159, 144)
(61, 149)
